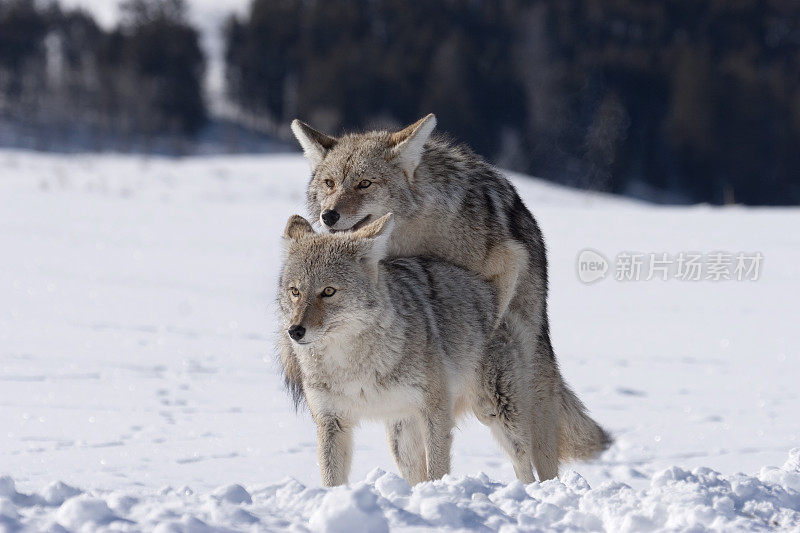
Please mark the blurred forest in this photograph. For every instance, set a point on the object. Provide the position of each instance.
(62, 76)
(673, 101)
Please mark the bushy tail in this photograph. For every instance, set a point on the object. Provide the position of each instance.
(579, 437)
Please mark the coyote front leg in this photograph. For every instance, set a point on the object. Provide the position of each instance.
(334, 449)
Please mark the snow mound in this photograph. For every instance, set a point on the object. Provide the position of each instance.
(788, 475)
(233, 494)
(676, 499)
(84, 511)
(58, 492)
(349, 510)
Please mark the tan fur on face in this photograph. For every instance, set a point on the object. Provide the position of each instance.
(345, 202)
(331, 259)
(308, 311)
(355, 158)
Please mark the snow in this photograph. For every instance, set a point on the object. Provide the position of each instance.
(676, 499)
(138, 388)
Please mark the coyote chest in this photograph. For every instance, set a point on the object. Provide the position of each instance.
(372, 400)
(360, 388)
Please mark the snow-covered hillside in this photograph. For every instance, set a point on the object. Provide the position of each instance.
(138, 388)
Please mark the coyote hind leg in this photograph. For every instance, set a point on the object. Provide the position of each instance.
(545, 438)
(516, 442)
(408, 449)
(546, 391)
(501, 404)
(438, 430)
(503, 267)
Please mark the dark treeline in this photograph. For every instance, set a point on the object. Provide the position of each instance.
(64, 77)
(690, 100)
(678, 100)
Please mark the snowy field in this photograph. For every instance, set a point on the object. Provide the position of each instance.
(138, 388)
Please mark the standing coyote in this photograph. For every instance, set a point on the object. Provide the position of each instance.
(410, 341)
(451, 204)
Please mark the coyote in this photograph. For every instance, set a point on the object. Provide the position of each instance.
(410, 341)
(450, 204)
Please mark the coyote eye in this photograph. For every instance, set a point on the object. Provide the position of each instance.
(294, 292)
(329, 184)
(328, 291)
(363, 184)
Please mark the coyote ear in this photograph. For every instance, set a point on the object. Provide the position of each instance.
(315, 143)
(297, 227)
(381, 227)
(408, 144)
(374, 240)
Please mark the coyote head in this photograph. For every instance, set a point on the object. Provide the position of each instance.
(360, 177)
(329, 282)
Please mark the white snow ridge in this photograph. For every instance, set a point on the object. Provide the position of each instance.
(676, 499)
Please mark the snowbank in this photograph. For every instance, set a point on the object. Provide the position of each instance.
(676, 499)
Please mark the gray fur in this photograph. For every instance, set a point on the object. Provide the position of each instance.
(409, 341)
(450, 204)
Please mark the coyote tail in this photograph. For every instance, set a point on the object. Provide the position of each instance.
(579, 437)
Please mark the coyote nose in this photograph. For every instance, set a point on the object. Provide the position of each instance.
(297, 332)
(330, 217)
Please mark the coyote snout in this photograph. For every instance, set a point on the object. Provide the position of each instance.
(334, 221)
(297, 332)
(330, 217)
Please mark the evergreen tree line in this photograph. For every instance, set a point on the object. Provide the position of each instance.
(693, 100)
(64, 77)
(681, 100)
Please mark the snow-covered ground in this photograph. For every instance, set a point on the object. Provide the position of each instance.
(138, 388)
